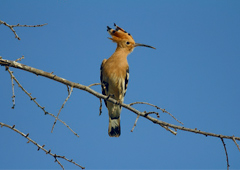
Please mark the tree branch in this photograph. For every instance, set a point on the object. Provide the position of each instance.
(163, 110)
(17, 65)
(34, 100)
(18, 25)
(41, 146)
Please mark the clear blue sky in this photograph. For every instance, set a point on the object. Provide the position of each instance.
(194, 74)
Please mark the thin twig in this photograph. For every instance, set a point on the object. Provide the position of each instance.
(168, 129)
(18, 25)
(69, 94)
(233, 138)
(224, 145)
(56, 160)
(94, 84)
(39, 25)
(100, 107)
(13, 96)
(163, 110)
(43, 108)
(40, 146)
(19, 59)
(146, 114)
(135, 123)
(71, 161)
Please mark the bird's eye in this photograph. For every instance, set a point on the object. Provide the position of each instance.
(127, 42)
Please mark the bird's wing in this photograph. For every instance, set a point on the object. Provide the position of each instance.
(126, 81)
(104, 84)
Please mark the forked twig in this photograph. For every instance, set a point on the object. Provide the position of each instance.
(56, 160)
(43, 108)
(41, 146)
(163, 110)
(69, 94)
(233, 138)
(18, 25)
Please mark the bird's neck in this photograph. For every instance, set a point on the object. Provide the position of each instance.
(121, 53)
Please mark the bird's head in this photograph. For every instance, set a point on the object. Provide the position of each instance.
(123, 38)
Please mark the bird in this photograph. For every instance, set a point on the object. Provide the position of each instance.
(114, 75)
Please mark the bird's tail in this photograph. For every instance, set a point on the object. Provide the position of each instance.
(114, 129)
(114, 112)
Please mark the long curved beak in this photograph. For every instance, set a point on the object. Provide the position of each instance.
(143, 45)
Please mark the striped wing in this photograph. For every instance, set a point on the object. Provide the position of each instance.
(104, 85)
(126, 81)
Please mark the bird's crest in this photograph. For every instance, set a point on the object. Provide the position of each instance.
(123, 38)
(118, 34)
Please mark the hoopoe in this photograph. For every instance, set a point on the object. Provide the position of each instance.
(114, 75)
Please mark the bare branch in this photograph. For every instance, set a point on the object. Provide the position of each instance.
(69, 94)
(101, 96)
(224, 145)
(39, 146)
(34, 100)
(18, 25)
(163, 110)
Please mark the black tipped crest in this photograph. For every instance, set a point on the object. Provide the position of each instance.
(108, 28)
(118, 34)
